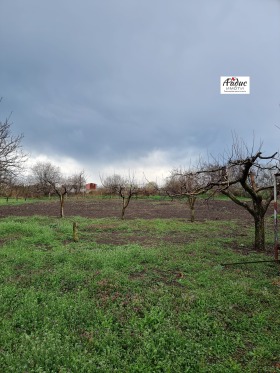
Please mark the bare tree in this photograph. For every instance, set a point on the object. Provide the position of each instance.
(44, 175)
(186, 184)
(49, 177)
(77, 182)
(7, 187)
(252, 171)
(151, 188)
(12, 187)
(126, 191)
(125, 188)
(11, 156)
(111, 183)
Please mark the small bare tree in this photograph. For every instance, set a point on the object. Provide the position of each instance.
(49, 177)
(111, 184)
(186, 184)
(151, 188)
(7, 187)
(77, 182)
(126, 191)
(41, 175)
(125, 188)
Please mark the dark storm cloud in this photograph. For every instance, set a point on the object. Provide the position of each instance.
(116, 80)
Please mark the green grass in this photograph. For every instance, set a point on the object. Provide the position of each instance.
(151, 306)
(20, 201)
(11, 201)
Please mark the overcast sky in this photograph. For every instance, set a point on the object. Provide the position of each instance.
(116, 85)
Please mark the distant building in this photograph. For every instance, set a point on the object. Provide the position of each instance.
(90, 186)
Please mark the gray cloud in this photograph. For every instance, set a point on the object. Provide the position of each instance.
(112, 81)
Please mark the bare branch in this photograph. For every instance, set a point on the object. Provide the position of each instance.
(12, 158)
(248, 172)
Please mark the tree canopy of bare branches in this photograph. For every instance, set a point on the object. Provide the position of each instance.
(49, 179)
(186, 183)
(12, 158)
(125, 188)
(46, 176)
(77, 182)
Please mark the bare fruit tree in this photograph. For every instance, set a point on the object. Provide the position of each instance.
(44, 174)
(49, 177)
(7, 187)
(77, 182)
(125, 188)
(186, 184)
(151, 188)
(253, 172)
(111, 184)
(12, 158)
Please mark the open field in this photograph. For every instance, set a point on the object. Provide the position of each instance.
(147, 294)
(147, 208)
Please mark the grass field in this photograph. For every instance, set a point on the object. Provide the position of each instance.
(108, 303)
(11, 201)
(19, 201)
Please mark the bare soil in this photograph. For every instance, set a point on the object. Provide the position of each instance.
(138, 208)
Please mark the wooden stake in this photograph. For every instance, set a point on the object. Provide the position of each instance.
(75, 232)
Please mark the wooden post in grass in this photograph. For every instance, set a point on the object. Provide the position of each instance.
(75, 232)
(276, 240)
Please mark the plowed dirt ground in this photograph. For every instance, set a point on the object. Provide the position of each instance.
(138, 208)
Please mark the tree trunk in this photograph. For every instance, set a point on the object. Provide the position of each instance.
(192, 214)
(125, 204)
(259, 233)
(191, 201)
